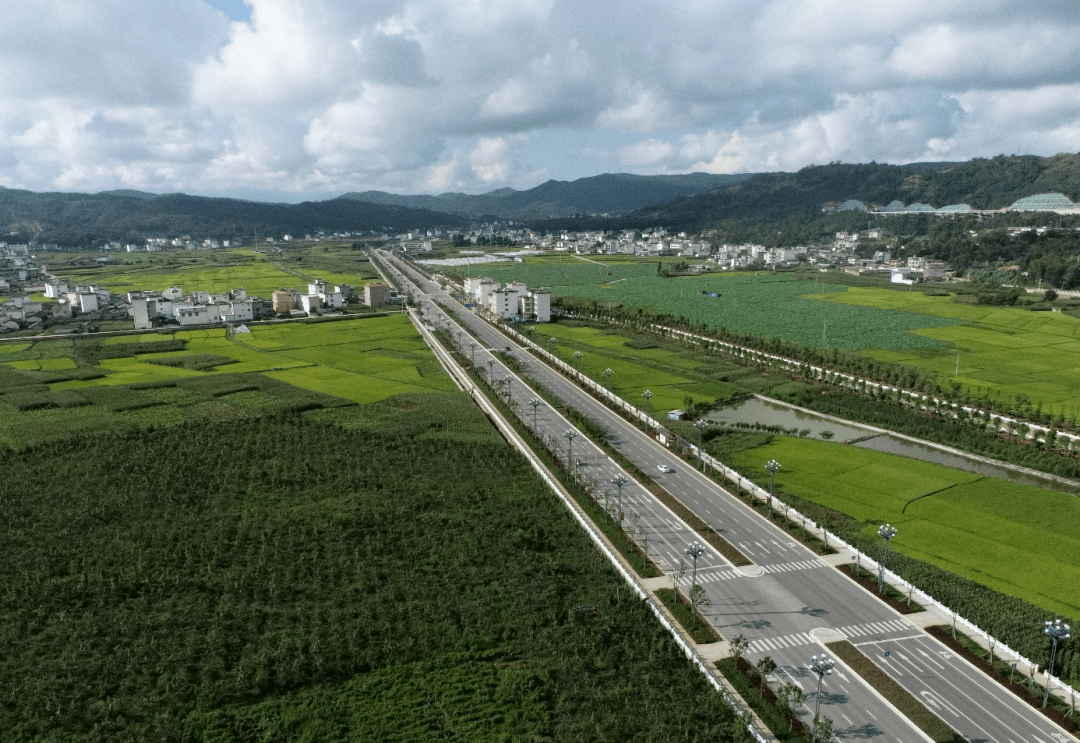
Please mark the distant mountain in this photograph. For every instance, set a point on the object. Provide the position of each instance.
(612, 193)
(981, 183)
(91, 219)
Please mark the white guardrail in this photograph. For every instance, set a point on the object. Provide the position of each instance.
(794, 515)
(465, 382)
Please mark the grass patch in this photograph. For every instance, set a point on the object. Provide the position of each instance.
(900, 698)
(699, 630)
(787, 728)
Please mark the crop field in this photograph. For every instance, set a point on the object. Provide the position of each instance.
(44, 391)
(668, 374)
(1003, 350)
(1018, 539)
(287, 579)
(221, 271)
(767, 305)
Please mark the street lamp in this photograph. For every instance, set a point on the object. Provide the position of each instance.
(553, 341)
(459, 334)
(570, 436)
(1057, 631)
(607, 373)
(700, 424)
(577, 359)
(508, 379)
(618, 481)
(886, 532)
(491, 379)
(822, 667)
(695, 550)
(772, 466)
(648, 396)
(472, 354)
(535, 404)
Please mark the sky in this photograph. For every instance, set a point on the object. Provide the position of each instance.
(294, 100)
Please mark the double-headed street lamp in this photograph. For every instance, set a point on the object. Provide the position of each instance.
(772, 466)
(491, 380)
(535, 404)
(472, 354)
(821, 667)
(648, 396)
(886, 532)
(577, 360)
(700, 424)
(508, 379)
(618, 481)
(1057, 632)
(607, 373)
(695, 550)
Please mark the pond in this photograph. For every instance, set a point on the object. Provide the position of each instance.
(772, 413)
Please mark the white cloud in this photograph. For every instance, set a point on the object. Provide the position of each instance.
(429, 95)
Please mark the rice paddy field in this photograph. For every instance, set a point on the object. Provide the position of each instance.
(1002, 350)
(50, 388)
(218, 271)
(1020, 540)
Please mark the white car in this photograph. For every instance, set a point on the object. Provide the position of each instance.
(664, 468)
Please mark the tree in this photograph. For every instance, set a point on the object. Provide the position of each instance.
(738, 645)
(827, 435)
(821, 730)
(698, 599)
(676, 577)
(764, 667)
(790, 696)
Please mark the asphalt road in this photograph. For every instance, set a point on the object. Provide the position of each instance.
(788, 599)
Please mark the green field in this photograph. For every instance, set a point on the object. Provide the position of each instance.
(1003, 350)
(1020, 540)
(766, 304)
(55, 386)
(384, 572)
(218, 271)
(670, 375)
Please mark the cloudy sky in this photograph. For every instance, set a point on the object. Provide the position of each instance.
(304, 99)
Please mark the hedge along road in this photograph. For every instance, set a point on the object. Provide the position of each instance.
(796, 592)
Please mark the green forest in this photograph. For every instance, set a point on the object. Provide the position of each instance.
(391, 571)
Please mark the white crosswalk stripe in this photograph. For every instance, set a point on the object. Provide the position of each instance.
(784, 567)
(709, 577)
(876, 628)
(775, 643)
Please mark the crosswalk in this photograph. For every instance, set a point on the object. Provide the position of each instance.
(709, 576)
(775, 643)
(784, 567)
(763, 644)
(875, 628)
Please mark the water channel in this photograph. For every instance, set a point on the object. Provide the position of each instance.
(772, 413)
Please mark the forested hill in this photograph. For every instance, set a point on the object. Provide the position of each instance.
(610, 193)
(982, 183)
(91, 219)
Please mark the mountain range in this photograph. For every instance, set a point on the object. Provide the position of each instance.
(615, 200)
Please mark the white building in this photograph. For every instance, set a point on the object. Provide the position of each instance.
(196, 314)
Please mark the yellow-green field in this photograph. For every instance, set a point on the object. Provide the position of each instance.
(1018, 539)
(43, 394)
(221, 271)
(1002, 349)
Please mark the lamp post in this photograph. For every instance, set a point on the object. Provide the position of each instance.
(607, 373)
(508, 379)
(472, 354)
(490, 362)
(535, 404)
(886, 532)
(553, 341)
(1056, 631)
(695, 550)
(577, 360)
(618, 481)
(570, 436)
(459, 334)
(700, 424)
(821, 667)
(772, 466)
(648, 396)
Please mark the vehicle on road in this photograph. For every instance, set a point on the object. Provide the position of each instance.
(664, 468)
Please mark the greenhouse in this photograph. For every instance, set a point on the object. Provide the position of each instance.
(1043, 202)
